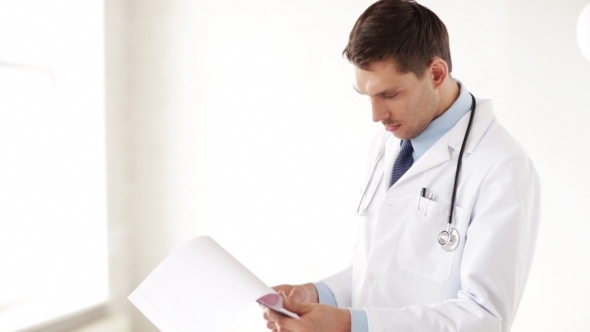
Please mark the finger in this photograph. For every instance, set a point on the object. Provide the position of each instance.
(293, 305)
(297, 294)
(279, 328)
(271, 326)
(265, 316)
(276, 317)
(273, 315)
(284, 288)
(285, 323)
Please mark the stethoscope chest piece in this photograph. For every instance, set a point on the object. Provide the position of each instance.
(449, 239)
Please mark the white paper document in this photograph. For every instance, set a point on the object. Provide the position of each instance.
(201, 287)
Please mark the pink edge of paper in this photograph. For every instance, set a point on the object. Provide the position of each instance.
(270, 300)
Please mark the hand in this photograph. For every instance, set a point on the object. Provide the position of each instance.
(312, 317)
(300, 293)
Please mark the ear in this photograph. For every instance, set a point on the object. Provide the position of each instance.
(438, 72)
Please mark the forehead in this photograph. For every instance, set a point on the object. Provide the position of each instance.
(381, 76)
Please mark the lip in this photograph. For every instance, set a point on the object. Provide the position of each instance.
(392, 128)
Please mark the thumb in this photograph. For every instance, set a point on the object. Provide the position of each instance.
(297, 294)
(293, 305)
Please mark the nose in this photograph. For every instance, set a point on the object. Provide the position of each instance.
(379, 109)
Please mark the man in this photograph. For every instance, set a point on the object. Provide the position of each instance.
(405, 276)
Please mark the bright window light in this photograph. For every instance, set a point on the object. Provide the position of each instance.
(53, 239)
(584, 31)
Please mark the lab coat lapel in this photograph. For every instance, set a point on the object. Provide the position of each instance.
(436, 155)
(440, 152)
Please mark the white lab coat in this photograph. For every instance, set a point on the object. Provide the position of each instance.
(402, 276)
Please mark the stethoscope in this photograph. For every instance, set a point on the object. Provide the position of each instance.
(449, 238)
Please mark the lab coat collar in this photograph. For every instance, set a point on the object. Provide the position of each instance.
(440, 152)
(484, 115)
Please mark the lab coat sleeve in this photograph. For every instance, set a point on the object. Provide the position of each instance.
(341, 286)
(496, 260)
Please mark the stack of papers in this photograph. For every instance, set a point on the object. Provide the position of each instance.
(201, 287)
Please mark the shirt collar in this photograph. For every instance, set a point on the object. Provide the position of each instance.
(441, 125)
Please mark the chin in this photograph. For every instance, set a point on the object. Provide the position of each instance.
(396, 135)
(401, 135)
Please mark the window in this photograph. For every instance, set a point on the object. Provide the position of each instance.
(53, 236)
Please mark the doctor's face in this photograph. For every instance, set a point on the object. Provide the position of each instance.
(404, 103)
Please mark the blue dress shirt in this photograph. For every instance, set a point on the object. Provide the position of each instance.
(435, 130)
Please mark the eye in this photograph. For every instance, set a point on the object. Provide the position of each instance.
(389, 96)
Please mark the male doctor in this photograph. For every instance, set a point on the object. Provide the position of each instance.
(404, 276)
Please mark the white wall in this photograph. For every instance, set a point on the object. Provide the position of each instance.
(524, 55)
(237, 119)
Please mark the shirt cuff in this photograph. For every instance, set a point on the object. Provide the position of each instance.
(325, 295)
(358, 320)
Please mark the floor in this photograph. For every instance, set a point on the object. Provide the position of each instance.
(110, 323)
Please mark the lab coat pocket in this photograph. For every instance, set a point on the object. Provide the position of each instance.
(419, 251)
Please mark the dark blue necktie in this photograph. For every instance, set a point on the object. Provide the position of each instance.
(403, 162)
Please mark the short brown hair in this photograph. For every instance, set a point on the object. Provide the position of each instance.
(402, 30)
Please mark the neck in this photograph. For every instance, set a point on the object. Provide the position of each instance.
(449, 92)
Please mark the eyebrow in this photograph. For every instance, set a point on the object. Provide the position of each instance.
(382, 93)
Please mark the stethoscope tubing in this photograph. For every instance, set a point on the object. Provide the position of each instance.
(377, 160)
(460, 161)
